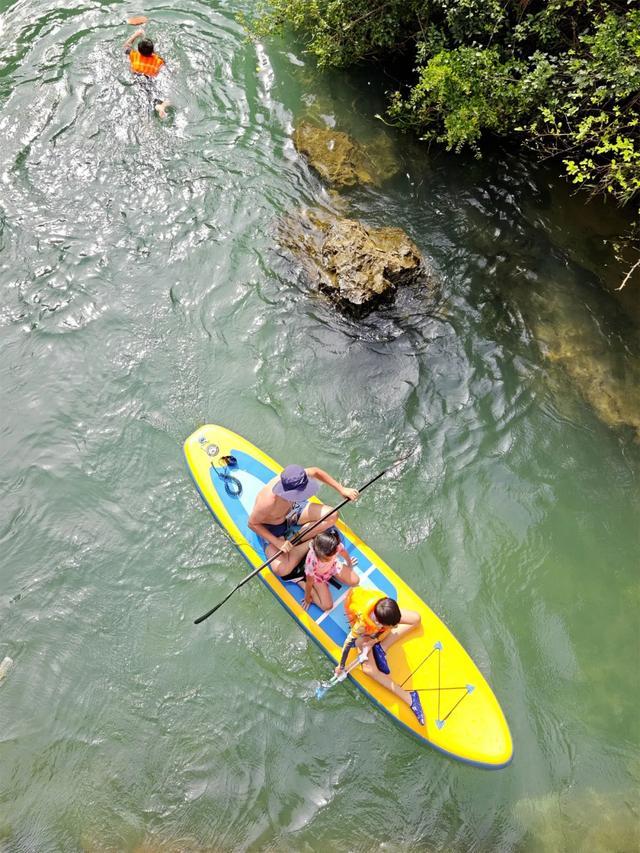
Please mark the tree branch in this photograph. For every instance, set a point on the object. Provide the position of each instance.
(628, 275)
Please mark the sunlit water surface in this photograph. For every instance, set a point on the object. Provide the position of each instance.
(142, 295)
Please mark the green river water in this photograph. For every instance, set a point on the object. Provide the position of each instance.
(143, 294)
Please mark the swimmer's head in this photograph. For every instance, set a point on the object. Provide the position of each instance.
(145, 47)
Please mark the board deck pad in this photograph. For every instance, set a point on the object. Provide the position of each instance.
(462, 716)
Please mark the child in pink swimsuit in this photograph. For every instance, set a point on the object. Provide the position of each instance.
(326, 558)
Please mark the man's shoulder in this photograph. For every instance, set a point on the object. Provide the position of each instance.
(264, 496)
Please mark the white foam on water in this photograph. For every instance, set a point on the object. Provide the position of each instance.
(5, 667)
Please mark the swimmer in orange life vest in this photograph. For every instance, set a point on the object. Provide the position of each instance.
(376, 624)
(145, 62)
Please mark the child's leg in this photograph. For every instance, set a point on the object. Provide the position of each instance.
(373, 672)
(347, 576)
(324, 595)
(286, 563)
(409, 620)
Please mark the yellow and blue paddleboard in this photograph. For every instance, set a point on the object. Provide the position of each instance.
(462, 716)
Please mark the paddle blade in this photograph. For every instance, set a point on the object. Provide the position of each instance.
(325, 688)
(210, 612)
(322, 690)
(136, 20)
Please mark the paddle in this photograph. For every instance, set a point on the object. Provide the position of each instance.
(294, 541)
(324, 688)
(136, 20)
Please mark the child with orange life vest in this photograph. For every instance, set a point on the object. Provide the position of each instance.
(322, 563)
(144, 61)
(376, 624)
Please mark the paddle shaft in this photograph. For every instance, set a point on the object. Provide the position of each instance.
(296, 539)
(338, 679)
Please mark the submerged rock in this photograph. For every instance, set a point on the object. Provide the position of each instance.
(342, 161)
(354, 263)
(581, 822)
(570, 338)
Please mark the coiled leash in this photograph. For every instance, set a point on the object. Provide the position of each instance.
(232, 486)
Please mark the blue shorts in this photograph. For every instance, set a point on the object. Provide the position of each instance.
(286, 529)
(289, 526)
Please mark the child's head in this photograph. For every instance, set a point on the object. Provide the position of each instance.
(326, 544)
(145, 47)
(387, 612)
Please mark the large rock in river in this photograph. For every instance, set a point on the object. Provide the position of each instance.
(342, 161)
(354, 263)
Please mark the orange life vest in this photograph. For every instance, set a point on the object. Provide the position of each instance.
(359, 606)
(149, 65)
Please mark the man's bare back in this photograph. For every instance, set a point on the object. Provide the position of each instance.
(269, 508)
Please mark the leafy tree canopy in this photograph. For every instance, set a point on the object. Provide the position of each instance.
(562, 75)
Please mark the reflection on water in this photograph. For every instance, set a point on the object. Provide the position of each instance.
(150, 843)
(524, 265)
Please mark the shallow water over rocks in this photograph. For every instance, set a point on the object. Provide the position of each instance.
(357, 266)
(342, 161)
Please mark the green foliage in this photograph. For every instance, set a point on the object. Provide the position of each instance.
(593, 112)
(464, 92)
(563, 75)
(340, 32)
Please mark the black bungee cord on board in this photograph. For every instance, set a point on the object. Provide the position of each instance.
(232, 486)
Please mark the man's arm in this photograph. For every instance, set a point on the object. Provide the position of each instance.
(319, 474)
(256, 524)
(127, 46)
(264, 533)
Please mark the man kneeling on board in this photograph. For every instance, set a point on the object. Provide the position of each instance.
(376, 624)
(282, 505)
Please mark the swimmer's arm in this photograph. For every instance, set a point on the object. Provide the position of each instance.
(128, 45)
